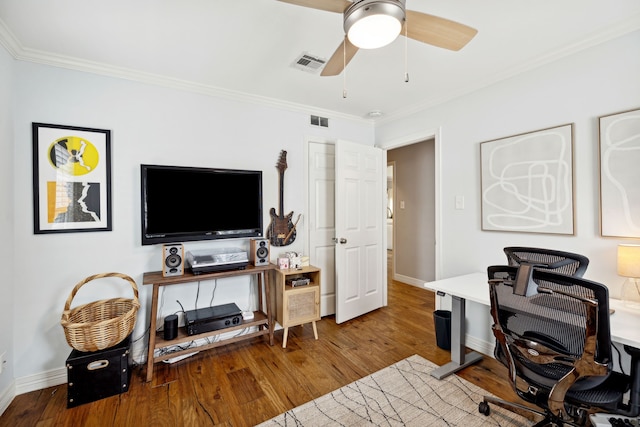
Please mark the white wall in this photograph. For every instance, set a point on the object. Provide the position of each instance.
(7, 254)
(149, 124)
(578, 89)
(156, 125)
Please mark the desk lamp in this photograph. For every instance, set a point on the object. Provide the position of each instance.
(629, 267)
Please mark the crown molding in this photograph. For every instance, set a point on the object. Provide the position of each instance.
(9, 40)
(21, 53)
(620, 29)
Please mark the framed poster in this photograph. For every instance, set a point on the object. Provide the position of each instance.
(527, 182)
(71, 179)
(619, 137)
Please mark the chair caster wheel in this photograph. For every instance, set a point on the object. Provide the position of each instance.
(484, 409)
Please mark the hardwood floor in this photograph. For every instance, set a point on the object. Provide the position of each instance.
(246, 383)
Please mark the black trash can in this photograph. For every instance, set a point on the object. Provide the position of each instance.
(442, 322)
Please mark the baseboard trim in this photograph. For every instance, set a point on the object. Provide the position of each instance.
(408, 280)
(479, 345)
(42, 380)
(6, 397)
(51, 378)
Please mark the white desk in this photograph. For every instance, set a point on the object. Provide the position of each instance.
(474, 287)
(624, 324)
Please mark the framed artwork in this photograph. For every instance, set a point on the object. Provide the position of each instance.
(71, 179)
(527, 182)
(619, 137)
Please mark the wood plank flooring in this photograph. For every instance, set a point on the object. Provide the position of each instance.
(246, 383)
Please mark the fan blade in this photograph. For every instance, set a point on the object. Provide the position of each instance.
(337, 6)
(438, 31)
(340, 58)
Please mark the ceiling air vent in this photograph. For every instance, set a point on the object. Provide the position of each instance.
(320, 121)
(309, 63)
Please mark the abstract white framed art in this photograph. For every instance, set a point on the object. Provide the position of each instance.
(619, 140)
(527, 182)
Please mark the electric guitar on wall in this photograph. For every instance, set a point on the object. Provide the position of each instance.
(281, 231)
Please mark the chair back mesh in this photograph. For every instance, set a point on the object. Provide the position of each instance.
(548, 260)
(554, 320)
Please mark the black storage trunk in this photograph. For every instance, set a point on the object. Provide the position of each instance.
(95, 375)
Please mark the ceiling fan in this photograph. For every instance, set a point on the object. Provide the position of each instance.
(369, 24)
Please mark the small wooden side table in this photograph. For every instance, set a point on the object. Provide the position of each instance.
(297, 305)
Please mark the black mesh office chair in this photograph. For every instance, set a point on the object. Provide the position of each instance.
(555, 341)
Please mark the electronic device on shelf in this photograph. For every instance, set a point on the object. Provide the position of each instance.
(213, 318)
(294, 282)
(180, 204)
(210, 260)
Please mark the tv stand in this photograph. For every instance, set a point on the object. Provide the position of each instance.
(262, 318)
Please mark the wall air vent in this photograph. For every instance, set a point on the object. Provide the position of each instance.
(309, 63)
(319, 121)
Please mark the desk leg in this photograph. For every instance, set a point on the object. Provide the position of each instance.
(458, 358)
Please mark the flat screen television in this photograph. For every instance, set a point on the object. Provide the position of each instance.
(190, 203)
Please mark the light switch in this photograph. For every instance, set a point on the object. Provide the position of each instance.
(460, 202)
(401, 204)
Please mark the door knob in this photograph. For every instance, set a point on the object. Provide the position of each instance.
(343, 240)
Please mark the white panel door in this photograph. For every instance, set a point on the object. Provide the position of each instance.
(322, 229)
(360, 209)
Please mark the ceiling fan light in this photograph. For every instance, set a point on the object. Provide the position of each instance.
(374, 31)
(375, 23)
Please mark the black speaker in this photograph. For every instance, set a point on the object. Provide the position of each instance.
(259, 252)
(170, 327)
(172, 260)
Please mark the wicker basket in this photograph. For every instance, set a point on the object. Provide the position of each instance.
(99, 324)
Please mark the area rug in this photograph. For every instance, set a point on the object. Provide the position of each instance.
(403, 394)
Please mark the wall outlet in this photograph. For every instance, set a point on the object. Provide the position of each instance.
(3, 361)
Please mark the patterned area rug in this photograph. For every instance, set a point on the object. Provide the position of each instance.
(403, 394)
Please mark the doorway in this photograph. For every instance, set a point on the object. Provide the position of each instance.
(413, 209)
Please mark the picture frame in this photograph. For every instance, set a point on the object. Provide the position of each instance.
(71, 179)
(527, 182)
(619, 155)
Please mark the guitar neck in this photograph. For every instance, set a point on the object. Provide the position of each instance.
(281, 193)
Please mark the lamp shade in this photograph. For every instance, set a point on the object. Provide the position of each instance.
(371, 24)
(629, 260)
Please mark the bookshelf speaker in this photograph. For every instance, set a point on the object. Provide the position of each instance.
(172, 260)
(259, 252)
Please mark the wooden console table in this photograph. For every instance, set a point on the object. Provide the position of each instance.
(262, 318)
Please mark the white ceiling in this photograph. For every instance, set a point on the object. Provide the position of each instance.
(245, 48)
